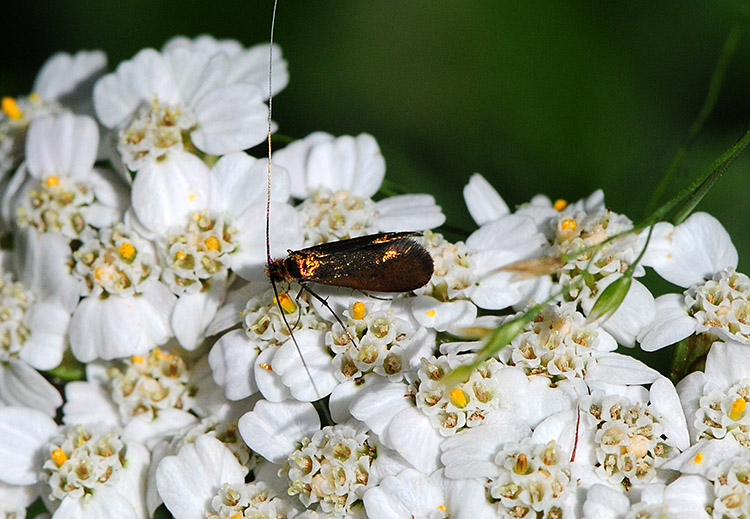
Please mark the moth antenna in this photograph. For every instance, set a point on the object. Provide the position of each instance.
(269, 259)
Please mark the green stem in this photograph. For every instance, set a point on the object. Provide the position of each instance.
(730, 45)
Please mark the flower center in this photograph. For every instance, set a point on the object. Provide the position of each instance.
(336, 216)
(155, 131)
(722, 302)
(57, 205)
(200, 251)
(724, 412)
(14, 302)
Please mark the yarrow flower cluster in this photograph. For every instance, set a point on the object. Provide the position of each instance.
(135, 282)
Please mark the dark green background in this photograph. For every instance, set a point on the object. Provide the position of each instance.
(558, 98)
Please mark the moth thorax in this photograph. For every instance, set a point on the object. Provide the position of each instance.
(283, 270)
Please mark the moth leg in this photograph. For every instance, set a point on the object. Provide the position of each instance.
(324, 302)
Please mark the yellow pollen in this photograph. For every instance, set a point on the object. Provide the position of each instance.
(236, 516)
(568, 224)
(212, 243)
(126, 250)
(180, 254)
(162, 355)
(358, 311)
(191, 197)
(265, 366)
(196, 216)
(430, 313)
(58, 456)
(137, 358)
(738, 407)
(98, 273)
(698, 459)
(51, 180)
(11, 108)
(286, 303)
(560, 204)
(458, 397)
(442, 508)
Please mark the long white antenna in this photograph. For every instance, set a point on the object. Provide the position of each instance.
(269, 259)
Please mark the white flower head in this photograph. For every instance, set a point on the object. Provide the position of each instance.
(63, 82)
(58, 189)
(32, 336)
(130, 307)
(165, 102)
(331, 470)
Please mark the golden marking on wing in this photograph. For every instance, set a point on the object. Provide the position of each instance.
(389, 255)
(308, 266)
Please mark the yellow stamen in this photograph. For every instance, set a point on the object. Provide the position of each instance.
(738, 407)
(560, 204)
(180, 254)
(265, 366)
(191, 197)
(458, 398)
(569, 224)
(442, 508)
(212, 243)
(522, 464)
(126, 250)
(52, 180)
(98, 271)
(137, 359)
(698, 459)
(11, 108)
(237, 516)
(358, 311)
(286, 303)
(58, 456)
(430, 313)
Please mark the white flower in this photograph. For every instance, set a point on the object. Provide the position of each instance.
(64, 81)
(33, 338)
(688, 496)
(207, 223)
(407, 495)
(338, 177)
(159, 100)
(715, 400)
(699, 255)
(126, 310)
(80, 471)
(204, 479)
(625, 435)
(59, 192)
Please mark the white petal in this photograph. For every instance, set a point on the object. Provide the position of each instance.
(24, 432)
(189, 480)
(311, 379)
(273, 429)
(118, 327)
(408, 213)
(468, 500)
(22, 385)
(141, 80)
(603, 502)
(88, 403)
(165, 193)
(242, 181)
(620, 369)
(379, 403)
(635, 312)
(49, 326)
(45, 270)
(63, 73)
(482, 201)
(407, 495)
(471, 452)
(728, 363)
(666, 406)
(671, 323)
(232, 359)
(351, 163)
(411, 434)
(194, 312)
(700, 248)
(106, 503)
(231, 118)
(431, 313)
(65, 145)
(293, 158)
(167, 423)
(269, 382)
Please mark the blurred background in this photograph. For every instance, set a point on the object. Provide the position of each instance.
(559, 98)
